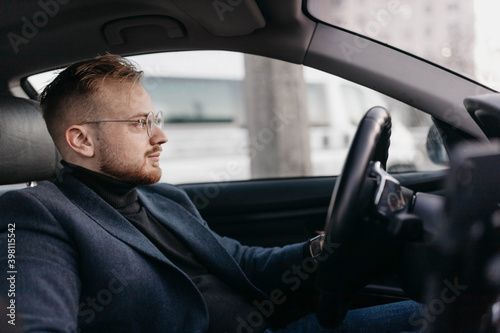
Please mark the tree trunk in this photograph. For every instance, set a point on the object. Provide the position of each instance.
(278, 128)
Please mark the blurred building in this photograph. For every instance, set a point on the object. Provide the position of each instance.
(440, 31)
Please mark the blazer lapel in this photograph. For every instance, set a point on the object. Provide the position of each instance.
(200, 239)
(107, 217)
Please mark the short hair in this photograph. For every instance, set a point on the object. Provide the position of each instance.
(72, 95)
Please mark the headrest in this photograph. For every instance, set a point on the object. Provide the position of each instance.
(27, 152)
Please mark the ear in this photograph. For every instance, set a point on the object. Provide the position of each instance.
(80, 140)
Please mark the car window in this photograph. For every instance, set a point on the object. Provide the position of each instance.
(461, 35)
(231, 116)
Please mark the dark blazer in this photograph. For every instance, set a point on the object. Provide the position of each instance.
(82, 265)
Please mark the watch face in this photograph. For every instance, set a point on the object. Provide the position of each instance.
(315, 246)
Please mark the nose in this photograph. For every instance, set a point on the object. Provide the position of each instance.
(159, 137)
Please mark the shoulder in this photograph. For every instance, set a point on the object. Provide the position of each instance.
(42, 191)
(45, 198)
(30, 206)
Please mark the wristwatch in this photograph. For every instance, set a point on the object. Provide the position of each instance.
(315, 246)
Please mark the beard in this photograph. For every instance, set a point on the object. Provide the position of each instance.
(112, 164)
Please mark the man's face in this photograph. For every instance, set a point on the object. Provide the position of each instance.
(124, 150)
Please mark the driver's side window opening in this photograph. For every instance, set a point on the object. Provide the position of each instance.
(231, 116)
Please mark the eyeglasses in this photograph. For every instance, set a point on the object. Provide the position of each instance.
(149, 123)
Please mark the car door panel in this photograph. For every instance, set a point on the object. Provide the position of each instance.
(277, 212)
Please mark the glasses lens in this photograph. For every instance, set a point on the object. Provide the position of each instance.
(159, 120)
(150, 124)
(151, 121)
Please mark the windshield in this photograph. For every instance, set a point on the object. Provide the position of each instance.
(460, 35)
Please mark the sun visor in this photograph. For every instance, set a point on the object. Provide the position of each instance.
(225, 18)
(114, 31)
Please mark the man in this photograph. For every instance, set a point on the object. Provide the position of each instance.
(101, 250)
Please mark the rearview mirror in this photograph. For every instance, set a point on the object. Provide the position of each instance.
(435, 147)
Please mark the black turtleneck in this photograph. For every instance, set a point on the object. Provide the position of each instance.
(223, 303)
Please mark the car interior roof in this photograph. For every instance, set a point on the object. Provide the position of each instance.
(83, 29)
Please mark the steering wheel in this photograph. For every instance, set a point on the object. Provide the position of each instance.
(354, 250)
